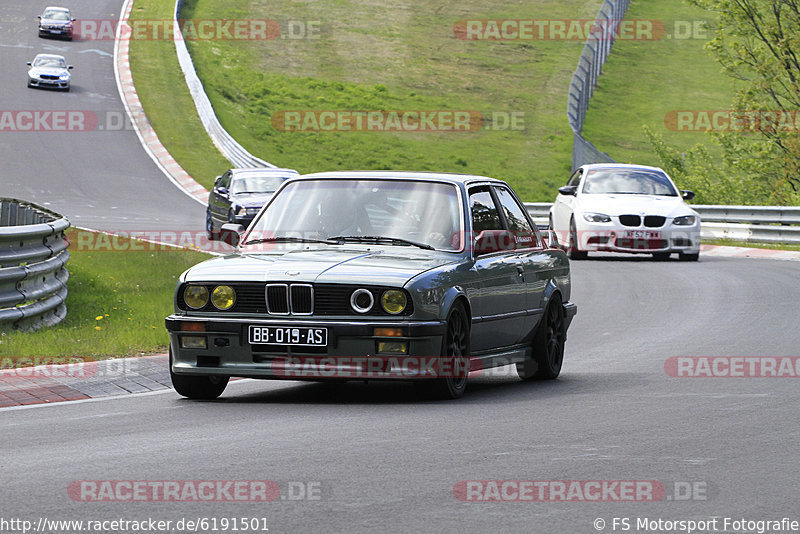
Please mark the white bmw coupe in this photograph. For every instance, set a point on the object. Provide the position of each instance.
(617, 207)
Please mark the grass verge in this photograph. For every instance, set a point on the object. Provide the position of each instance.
(748, 244)
(166, 99)
(643, 81)
(114, 307)
(396, 56)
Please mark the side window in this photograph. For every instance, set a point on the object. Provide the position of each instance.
(516, 219)
(575, 178)
(226, 180)
(484, 212)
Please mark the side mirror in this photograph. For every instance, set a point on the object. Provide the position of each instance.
(222, 190)
(39, 17)
(70, 67)
(230, 233)
(686, 194)
(489, 241)
(28, 63)
(550, 238)
(568, 190)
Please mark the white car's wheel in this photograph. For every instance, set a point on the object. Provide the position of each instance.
(574, 252)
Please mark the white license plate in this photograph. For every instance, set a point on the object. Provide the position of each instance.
(288, 335)
(642, 234)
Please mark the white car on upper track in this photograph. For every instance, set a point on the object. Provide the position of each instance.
(615, 207)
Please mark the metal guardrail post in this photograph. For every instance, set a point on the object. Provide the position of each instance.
(33, 255)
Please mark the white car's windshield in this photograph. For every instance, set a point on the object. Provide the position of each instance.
(53, 62)
(621, 181)
(256, 184)
(425, 214)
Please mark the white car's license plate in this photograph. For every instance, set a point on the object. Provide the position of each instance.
(288, 335)
(642, 234)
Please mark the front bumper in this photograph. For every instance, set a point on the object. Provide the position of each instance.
(56, 32)
(613, 238)
(351, 352)
(53, 84)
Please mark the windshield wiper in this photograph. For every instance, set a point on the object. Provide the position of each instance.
(289, 239)
(380, 239)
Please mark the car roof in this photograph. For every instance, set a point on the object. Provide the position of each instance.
(454, 178)
(263, 170)
(595, 166)
(56, 8)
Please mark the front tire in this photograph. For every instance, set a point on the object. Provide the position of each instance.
(660, 256)
(689, 257)
(455, 354)
(207, 387)
(210, 226)
(573, 251)
(548, 345)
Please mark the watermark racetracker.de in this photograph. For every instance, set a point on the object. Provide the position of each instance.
(580, 29)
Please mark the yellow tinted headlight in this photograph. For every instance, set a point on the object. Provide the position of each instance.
(393, 301)
(195, 296)
(223, 297)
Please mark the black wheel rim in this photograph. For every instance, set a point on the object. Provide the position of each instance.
(457, 348)
(555, 337)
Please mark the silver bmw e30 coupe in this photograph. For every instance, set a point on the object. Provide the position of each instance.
(375, 275)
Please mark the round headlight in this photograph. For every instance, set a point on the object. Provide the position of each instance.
(223, 297)
(195, 296)
(393, 301)
(362, 300)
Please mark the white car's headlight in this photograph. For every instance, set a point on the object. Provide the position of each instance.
(686, 220)
(241, 210)
(596, 217)
(64, 77)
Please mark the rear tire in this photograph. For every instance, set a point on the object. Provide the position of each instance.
(548, 345)
(455, 353)
(207, 387)
(573, 251)
(660, 256)
(210, 227)
(689, 257)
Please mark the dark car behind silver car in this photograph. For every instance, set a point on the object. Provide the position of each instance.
(56, 22)
(239, 194)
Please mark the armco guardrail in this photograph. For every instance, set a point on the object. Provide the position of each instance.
(754, 224)
(233, 151)
(33, 276)
(581, 88)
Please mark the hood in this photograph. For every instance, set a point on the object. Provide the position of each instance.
(617, 204)
(50, 71)
(253, 200)
(54, 22)
(374, 265)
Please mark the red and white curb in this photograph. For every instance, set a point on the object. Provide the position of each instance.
(722, 251)
(145, 132)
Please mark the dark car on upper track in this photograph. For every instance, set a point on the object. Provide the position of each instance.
(375, 275)
(239, 194)
(56, 22)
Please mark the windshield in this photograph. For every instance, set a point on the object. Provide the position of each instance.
(630, 182)
(56, 15)
(426, 213)
(55, 62)
(256, 184)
